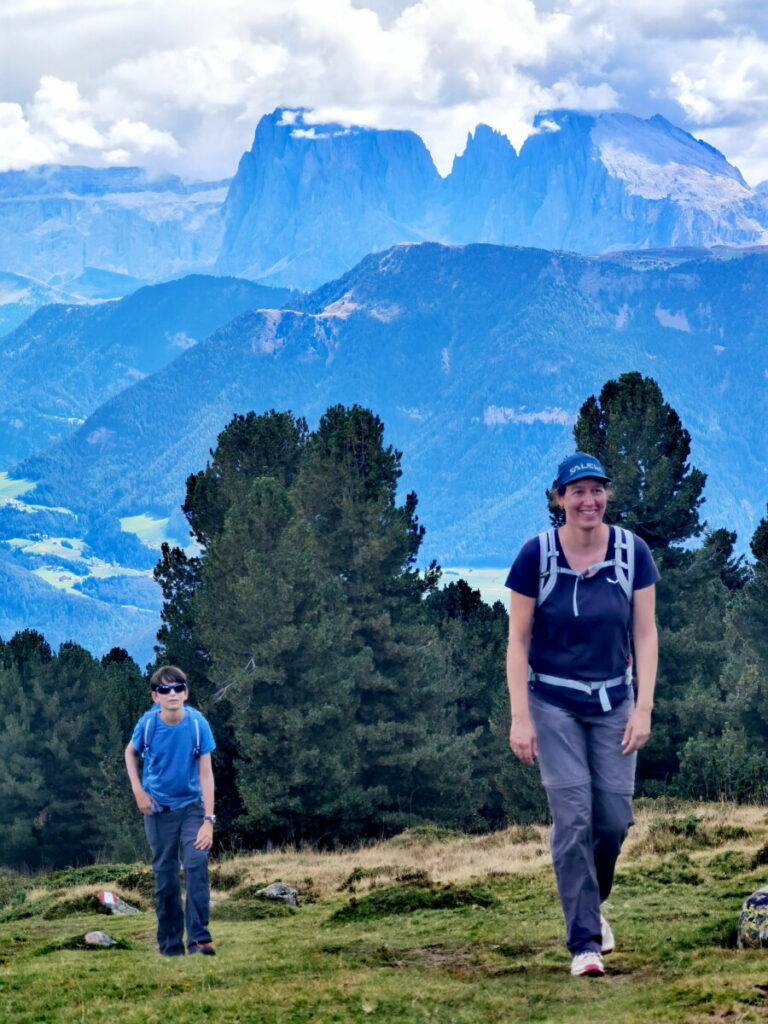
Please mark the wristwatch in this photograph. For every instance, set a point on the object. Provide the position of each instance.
(211, 818)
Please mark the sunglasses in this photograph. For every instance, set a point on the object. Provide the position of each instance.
(170, 688)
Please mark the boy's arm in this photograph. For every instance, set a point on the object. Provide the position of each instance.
(204, 840)
(143, 799)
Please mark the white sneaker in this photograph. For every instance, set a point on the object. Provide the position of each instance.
(588, 963)
(609, 943)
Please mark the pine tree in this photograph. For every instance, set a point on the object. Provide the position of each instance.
(339, 699)
(250, 447)
(22, 794)
(278, 629)
(47, 741)
(123, 696)
(413, 759)
(474, 634)
(644, 447)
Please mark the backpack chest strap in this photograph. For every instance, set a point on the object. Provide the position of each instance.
(561, 570)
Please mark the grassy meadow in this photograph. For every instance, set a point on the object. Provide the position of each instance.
(427, 927)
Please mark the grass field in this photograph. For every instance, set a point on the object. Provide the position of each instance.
(427, 927)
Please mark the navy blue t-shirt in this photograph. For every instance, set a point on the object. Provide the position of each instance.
(171, 774)
(591, 646)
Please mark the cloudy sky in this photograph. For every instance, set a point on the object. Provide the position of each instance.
(180, 84)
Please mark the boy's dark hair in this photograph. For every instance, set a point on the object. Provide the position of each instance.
(166, 675)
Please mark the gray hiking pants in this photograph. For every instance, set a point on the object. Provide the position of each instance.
(589, 784)
(171, 836)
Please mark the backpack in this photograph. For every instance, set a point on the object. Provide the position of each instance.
(150, 727)
(623, 560)
(624, 567)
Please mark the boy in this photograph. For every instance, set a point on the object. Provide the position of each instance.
(175, 795)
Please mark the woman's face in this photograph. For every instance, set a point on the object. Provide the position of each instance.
(584, 502)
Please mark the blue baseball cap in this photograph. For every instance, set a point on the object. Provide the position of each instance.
(576, 467)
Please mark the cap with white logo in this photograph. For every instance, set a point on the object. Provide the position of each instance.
(578, 466)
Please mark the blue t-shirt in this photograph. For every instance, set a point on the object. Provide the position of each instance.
(595, 644)
(171, 775)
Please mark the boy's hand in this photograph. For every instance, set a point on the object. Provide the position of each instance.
(144, 801)
(204, 839)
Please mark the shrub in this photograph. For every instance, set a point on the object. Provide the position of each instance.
(249, 910)
(405, 899)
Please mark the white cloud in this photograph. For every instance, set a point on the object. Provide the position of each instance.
(498, 416)
(58, 111)
(58, 125)
(138, 137)
(19, 147)
(181, 83)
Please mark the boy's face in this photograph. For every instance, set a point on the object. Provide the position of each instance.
(171, 701)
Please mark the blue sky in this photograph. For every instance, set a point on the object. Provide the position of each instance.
(180, 84)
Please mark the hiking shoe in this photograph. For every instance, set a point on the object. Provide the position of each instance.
(608, 941)
(589, 963)
(203, 947)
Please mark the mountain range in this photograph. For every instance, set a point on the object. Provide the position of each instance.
(445, 304)
(477, 358)
(98, 350)
(308, 201)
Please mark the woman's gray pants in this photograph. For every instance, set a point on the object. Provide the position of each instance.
(171, 836)
(589, 784)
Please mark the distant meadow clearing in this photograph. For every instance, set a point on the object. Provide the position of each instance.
(430, 926)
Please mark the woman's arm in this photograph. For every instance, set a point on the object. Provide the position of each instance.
(522, 735)
(646, 644)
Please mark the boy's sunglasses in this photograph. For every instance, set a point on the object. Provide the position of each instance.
(170, 688)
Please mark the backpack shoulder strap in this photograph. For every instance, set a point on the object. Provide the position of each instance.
(150, 725)
(624, 553)
(547, 564)
(195, 715)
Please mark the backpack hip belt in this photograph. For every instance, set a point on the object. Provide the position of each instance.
(600, 686)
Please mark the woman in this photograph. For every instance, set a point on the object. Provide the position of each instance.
(578, 594)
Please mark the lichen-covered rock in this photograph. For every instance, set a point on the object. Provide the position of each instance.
(280, 891)
(753, 920)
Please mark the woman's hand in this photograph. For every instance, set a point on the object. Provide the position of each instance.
(637, 731)
(522, 740)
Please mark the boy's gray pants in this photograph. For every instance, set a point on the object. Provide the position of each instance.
(589, 784)
(171, 836)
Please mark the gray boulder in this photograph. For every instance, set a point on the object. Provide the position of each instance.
(280, 892)
(99, 939)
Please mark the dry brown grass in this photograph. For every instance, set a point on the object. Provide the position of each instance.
(457, 860)
(512, 851)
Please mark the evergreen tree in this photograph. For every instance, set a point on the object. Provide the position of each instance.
(413, 759)
(644, 447)
(123, 696)
(47, 741)
(22, 792)
(278, 629)
(320, 660)
(474, 634)
(250, 447)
